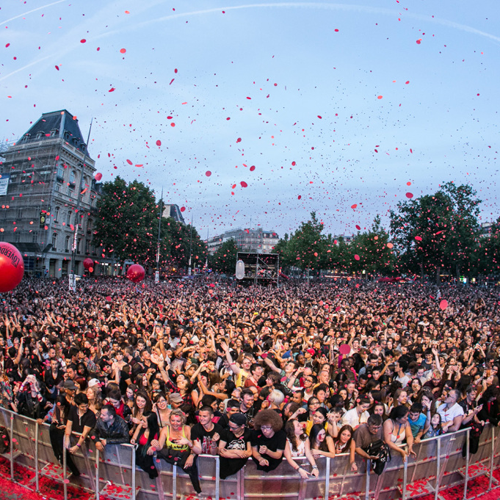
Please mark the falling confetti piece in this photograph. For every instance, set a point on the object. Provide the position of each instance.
(129, 162)
(243, 184)
(408, 183)
(183, 209)
(409, 195)
(356, 257)
(252, 168)
(294, 163)
(83, 40)
(358, 228)
(57, 67)
(158, 142)
(390, 245)
(419, 41)
(111, 89)
(380, 97)
(418, 238)
(443, 305)
(208, 173)
(122, 51)
(354, 206)
(300, 196)
(238, 140)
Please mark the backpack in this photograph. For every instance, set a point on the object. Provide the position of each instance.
(381, 449)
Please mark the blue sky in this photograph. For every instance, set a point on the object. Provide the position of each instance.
(338, 104)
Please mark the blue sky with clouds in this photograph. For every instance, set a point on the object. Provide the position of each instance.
(338, 104)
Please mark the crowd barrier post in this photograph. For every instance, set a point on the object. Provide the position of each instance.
(65, 487)
(438, 467)
(12, 446)
(217, 477)
(37, 486)
(405, 476)
(97, 484)
(467, 457)
(492, 456)
(174, 482)
(133, 473)
(240, 485)
(327, 477)
(367, 486)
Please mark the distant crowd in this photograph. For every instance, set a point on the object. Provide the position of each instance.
(267, 374)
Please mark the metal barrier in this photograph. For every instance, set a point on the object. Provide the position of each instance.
(439, 464)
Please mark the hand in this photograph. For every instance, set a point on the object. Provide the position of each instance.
(132, 441)
(262, 450)
(73, 449)
(263, 462)
(354, 467)
(99, 446)
(189, 462)
(304, 474)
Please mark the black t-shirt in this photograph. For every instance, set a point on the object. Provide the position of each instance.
(205, 437)
(230, 466)
(276, 442)
(86, 420)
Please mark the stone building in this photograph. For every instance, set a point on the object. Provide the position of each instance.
(48, 197)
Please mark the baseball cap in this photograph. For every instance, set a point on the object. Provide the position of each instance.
(238, 419)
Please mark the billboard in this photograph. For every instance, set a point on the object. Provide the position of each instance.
(4, 183)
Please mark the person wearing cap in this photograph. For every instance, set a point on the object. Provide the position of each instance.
(234, 446)
(176, 400)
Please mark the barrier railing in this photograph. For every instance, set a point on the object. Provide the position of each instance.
(440, 463)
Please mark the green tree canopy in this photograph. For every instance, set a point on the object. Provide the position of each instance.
(224, 259)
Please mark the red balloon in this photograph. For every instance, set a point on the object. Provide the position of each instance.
(136, 273)
(11, 267)
(88, 263)
(98, 176)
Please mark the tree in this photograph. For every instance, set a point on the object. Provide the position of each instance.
(224, 259)
(372, 249)
(305, 247)
(126, 227)
(436, 231)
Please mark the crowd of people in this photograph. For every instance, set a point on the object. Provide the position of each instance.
(267, 374)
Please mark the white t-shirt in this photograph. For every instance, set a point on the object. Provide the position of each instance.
(351, 418)
(447, 415)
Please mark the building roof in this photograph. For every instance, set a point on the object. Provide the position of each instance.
(60, 124)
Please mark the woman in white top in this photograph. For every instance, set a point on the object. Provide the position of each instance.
(397, 429)
(296, 447)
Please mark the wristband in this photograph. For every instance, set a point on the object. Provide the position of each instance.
(78, 444)
(315, 467)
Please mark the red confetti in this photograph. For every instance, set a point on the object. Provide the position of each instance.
(252, 168)
(354, 206)
(320, 117)
(122, 51)
(408, 183)
(418, 238)
(129, 162)
(57, 67)
(183, 209)
(357, 227)
(409, 195)
(171, 81)
(407, 82)
(83, 40)
(7, 45)
(158, 142)
(300, 196)
(243, 184)
(356, 257)
(175, 70)
(111, 89)
(419, 41)
(208, 173)
(294, 163)
(380, 97)
(238, 140)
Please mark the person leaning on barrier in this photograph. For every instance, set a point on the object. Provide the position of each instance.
(397, 430)
(296, 447)
(268, 440)
(451, 412)
(109, 429)
(234, 446)
(366, 434)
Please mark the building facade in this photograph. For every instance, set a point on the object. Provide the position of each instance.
(248, 240)
(48, 198)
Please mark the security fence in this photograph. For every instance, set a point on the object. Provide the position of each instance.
(440, 462)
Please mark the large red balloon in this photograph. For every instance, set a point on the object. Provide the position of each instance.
(88, 263)
(136, 273)
(11, 267)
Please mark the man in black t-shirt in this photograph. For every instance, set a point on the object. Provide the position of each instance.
(234, 446)
(268, 440)
(205, 434)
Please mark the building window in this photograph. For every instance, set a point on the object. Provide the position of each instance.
(68, 220)
(56, 214)
(66, 243)
(60, 173)
(54, 241)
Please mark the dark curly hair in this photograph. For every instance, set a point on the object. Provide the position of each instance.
(268, 417)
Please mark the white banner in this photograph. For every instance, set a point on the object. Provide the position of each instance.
(4, 184)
